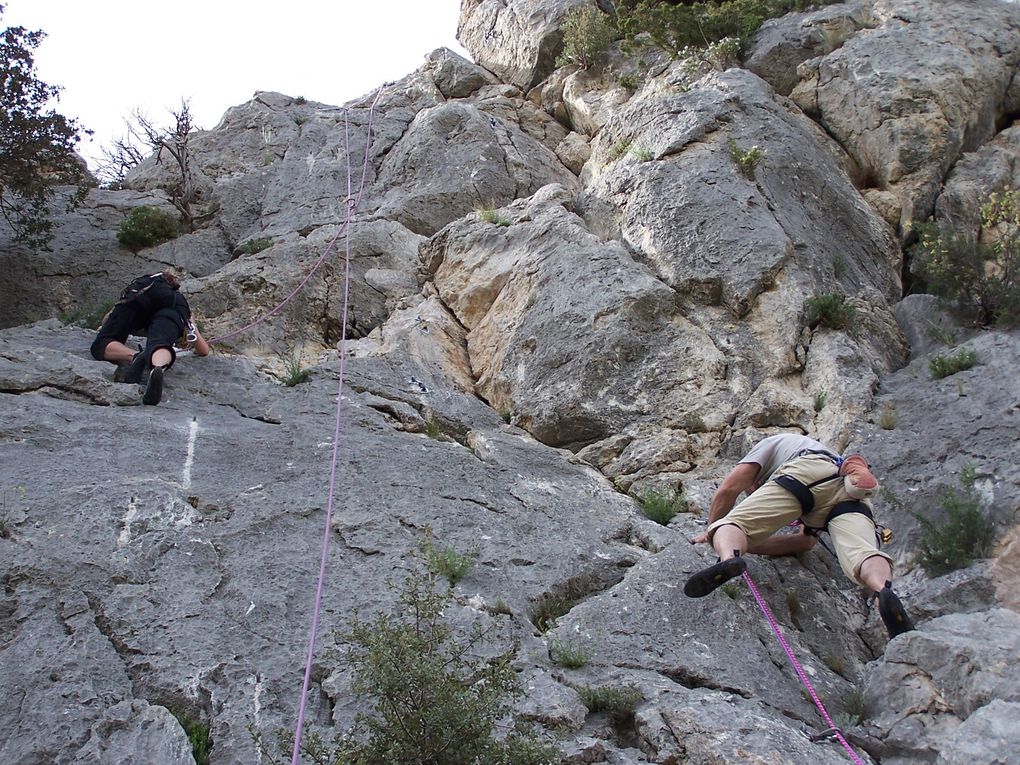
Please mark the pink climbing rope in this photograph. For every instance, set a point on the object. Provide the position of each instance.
(351, 203)
(800, 671)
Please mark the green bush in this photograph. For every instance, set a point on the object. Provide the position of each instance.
(943, 366)
(961, 536)
(829, 310)
(821, 399)
(198, 737)
(586, 33)
(448, 561)
(547, 610)
(677, 28)
(617, 702)
(432, 702)
(887, 417)
(618, 151)
(572, 654)
(295, 374)
(88, 316)
(662, 506)
(746, 159)
(489, 214)
(147, 226)
(980, 279)
(253, 246)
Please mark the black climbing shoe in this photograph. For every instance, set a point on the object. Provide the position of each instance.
(893, 613)
(154, 389)
(132, 371)
(706, 580)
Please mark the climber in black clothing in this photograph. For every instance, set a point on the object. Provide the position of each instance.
(152, 304)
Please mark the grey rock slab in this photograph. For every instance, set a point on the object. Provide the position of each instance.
(188, 534)
(909, 96)
(987, 737)
(454, 75)
(969, 418)
(715, 234)
(935, 678)
(493, 163)
(134, 727)
(84, 266)
(566, 349)
(517, 40)
(383, 271)
(781, 45)
(993, 167)
(721, 727)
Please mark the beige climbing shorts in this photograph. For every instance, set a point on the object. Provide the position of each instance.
(771, 507)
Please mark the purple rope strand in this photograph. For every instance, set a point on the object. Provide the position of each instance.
(796, 665)
(351, 205)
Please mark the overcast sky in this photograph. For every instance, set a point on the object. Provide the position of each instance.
(111, 56)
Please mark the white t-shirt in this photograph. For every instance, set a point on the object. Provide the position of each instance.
(774, 451)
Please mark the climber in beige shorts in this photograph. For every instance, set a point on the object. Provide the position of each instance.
(791, 478)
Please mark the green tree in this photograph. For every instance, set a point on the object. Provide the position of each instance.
(36, 143)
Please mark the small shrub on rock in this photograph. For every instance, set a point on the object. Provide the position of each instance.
(253, 246)
(619, 702)
(147, 226)
(432, 701)
(674, 27)
(662, 506)
(943, 366)
(961, 536)
(746, 159)
(979, 276)
(89, 317)
(198, 737)
(434, 697)
(449, 562)
(586, 33)
(829, 310)
(295, 374)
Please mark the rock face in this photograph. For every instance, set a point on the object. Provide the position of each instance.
(517, 40)
(563, 293)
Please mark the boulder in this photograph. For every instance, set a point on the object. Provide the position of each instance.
(492, 162)
(938, 678)
(517, 40)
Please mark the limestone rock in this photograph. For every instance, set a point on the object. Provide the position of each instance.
(517, 40)
(781, 45)
(132, 727)
(85, 266)
(495, 164)
(939, 678)
(940, 90)
(455, 76)
(988, 736)
(993, 167)
(564, 295)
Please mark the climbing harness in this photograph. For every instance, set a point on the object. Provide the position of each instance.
(802, 493)
(352, 203)
(833, 730)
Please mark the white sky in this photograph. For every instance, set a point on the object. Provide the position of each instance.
(111, 56)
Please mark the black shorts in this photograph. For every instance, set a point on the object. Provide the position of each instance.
(161, 313)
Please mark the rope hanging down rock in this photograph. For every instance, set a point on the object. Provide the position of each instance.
(352, 203)
(833, 728)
